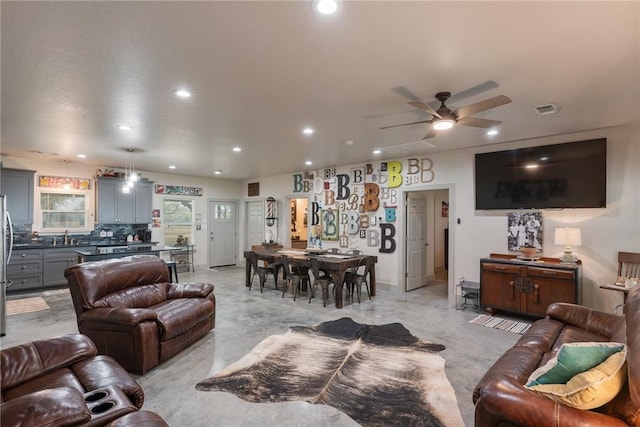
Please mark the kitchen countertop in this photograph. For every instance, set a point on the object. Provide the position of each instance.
(125, 250)
(85, 243)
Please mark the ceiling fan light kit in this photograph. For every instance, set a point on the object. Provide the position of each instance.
(443, 124)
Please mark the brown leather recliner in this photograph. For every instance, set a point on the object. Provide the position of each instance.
(502, 400)
(60, 381)
(132, 313)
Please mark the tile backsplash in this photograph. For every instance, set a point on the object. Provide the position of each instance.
(22, 233)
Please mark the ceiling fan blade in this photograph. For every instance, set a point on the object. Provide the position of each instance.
(478, 123)
(430, 134)
(406, 124)
(405, 92)
(494, 102)
(425, 107)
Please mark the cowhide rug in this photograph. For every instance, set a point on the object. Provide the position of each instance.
(379, 375)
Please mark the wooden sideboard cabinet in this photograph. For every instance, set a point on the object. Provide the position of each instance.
(527, 287)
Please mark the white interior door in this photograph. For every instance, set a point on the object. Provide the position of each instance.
(222, 233)
(429, 236)
(416, 242)
(255, 224)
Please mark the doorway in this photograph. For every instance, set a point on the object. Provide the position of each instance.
(298, 218)
(426, 243)
(255, 223)
(222, 232)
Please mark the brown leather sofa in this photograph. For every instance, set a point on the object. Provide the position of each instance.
(132, 313)
(62, 382)
(502, 400)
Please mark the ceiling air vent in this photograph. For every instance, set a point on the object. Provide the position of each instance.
(408, 148)
(546, 109)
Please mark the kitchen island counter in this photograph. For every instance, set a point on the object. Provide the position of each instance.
(98, 254)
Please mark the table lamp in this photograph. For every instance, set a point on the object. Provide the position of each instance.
(568, 237)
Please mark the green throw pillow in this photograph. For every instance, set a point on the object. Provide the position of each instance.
(586, 389)
(572, 359)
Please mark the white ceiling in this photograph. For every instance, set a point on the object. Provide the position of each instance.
(261, 71)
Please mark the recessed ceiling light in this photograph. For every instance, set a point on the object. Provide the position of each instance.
(237, 149)
(492, 132)
(125, 127)
(308, 163)
(82, 156)
(377, 151)
(307, 131)
(172, 167)
(348, 142)
(183, 93)
(217, 172)
(326, 7)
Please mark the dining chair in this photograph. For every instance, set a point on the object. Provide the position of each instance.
(628, 264)
(261, 271)
(294, 277)
(355, 280)
(628, 267)
(324, 279)
(352, 269)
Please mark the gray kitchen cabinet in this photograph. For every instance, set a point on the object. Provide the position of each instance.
(106, 192)
(17, 185)
(56, 261)
(116, 207)
(24, 270)
(144, 202)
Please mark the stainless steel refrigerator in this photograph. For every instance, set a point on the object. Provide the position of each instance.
(6, 246)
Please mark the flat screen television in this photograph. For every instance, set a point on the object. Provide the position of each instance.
(570, 175)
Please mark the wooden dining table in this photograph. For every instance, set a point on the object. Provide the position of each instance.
(336, 265)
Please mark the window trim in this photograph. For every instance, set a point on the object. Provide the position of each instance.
(166, 225)
(88, 212)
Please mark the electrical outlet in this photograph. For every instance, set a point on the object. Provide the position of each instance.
(109, 233)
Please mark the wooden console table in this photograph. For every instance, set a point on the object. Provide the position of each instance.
(511, 284)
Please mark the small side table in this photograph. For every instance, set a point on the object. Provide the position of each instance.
(625, 291)
(468, 295)
(186, 250)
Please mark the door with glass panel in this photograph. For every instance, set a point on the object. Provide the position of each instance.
(222, 232)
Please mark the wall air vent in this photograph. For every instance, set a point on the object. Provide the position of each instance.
(546, 109)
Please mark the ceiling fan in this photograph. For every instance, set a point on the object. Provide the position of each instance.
(445, 118)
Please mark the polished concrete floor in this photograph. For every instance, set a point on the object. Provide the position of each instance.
(244, 318)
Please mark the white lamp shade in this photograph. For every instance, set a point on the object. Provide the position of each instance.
(567, 236)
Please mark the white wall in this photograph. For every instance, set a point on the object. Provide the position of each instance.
(604, 231)
(479, 233)
(212, 189)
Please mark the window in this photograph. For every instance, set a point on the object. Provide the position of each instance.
(61, 211)
(177, 217)
(223, 212)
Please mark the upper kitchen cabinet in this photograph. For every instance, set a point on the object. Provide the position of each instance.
(116, 207)
(144, 202)
(17, 185)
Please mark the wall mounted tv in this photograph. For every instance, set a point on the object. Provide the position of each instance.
(570, 175)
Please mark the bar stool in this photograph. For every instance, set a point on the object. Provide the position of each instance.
(173, 270)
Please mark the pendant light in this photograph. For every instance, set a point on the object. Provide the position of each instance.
(130, 176)
(67, 180)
